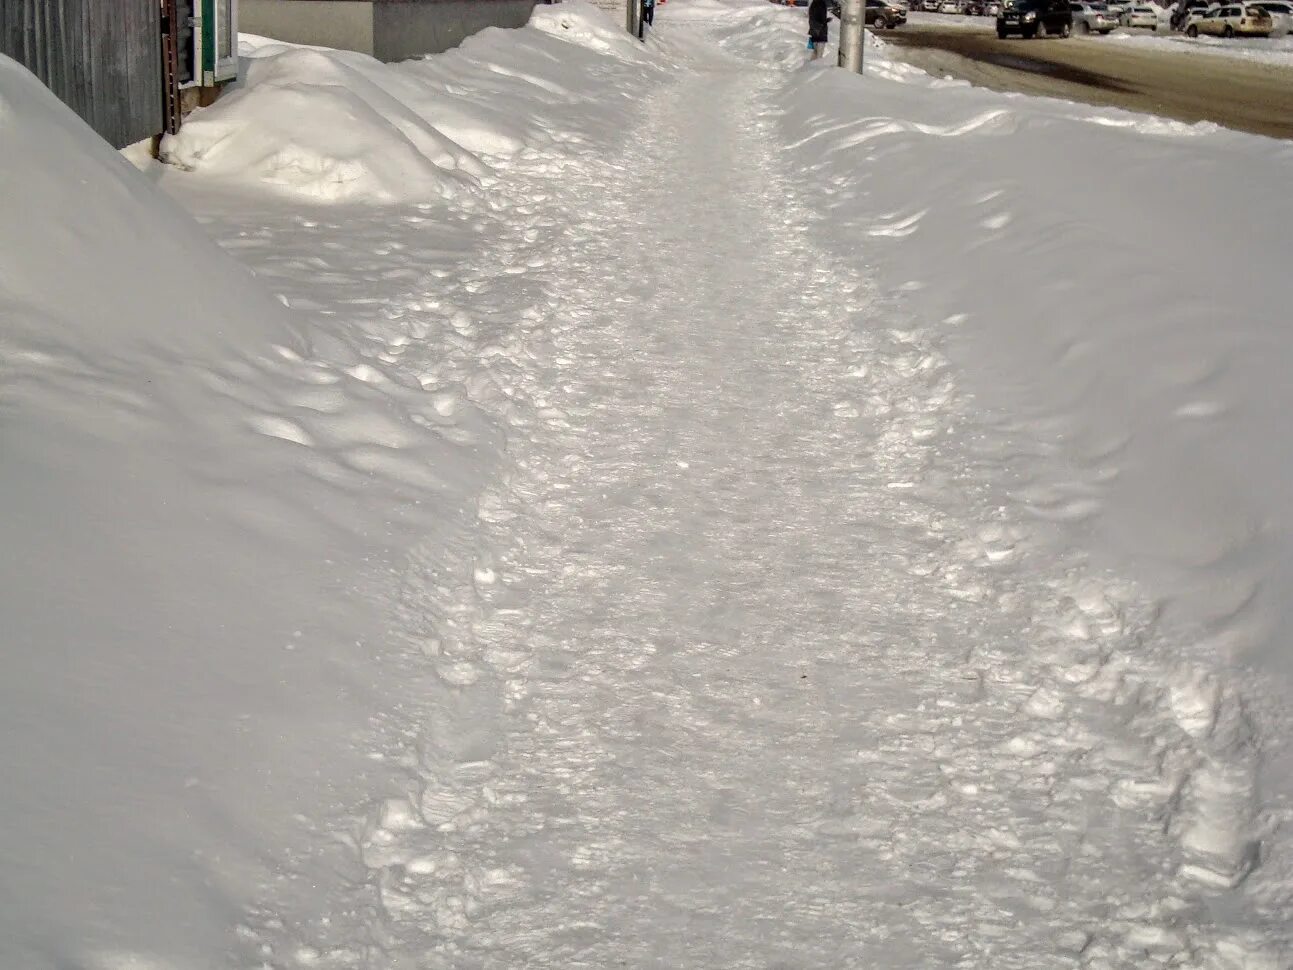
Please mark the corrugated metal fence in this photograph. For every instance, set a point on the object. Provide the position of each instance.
(101, 57)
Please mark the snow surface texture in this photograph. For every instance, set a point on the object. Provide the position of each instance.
(647, 534)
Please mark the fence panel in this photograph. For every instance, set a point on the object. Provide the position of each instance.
(103, 59)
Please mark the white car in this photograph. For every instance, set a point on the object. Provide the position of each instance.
(949, 6)
(1231, 20)
(1092, 18)
(1281, 16)
(1140, 17)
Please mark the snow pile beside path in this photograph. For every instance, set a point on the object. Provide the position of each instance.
(1264, 50)
(95, 258)
(338, 126)
(1087, 319)
(315, 123)
(183, 664)
(209, 492)
(580, 23)
(766, 32)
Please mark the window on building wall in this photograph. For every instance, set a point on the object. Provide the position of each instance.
(225, 30)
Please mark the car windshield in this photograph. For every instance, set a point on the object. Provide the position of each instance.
(1255, 12)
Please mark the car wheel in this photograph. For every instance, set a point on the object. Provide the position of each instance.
(1001, 34)
(1228, 32)
(1191, 31)
(1084, 28)
(1066, 30)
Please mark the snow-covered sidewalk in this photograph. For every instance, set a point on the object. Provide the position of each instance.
(745, 667)
(611, 552)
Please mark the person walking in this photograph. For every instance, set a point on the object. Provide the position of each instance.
(817, 34)
(647, 18)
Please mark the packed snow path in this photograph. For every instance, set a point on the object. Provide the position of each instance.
(744, 671)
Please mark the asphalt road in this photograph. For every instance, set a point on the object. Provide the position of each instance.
(1244, 95)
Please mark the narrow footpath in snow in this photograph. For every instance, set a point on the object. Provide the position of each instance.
(744, 673)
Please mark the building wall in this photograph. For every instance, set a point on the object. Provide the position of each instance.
(343, 24)
(102, 59)
(404, 30)
(391, 30)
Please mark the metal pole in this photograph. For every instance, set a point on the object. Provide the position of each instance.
(852, 18)
(633, 16)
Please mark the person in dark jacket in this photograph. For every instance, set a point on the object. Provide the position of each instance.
(817, 17)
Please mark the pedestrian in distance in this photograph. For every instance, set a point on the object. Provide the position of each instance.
(817, 36)
(647, 18)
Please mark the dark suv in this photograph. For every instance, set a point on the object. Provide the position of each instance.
(1035, 18)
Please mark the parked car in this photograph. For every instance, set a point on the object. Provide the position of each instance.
(1092, 18)
(1232, 20)
(949, 6)
(884, 14)
(1035, 18)
(931, 6)
(1140, 17)
(1183, 12)
(991, 8)
(973, 9)
(1281, 16)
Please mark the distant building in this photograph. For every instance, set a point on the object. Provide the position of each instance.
(130, 68)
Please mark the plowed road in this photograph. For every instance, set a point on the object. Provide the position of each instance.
(1244, 95)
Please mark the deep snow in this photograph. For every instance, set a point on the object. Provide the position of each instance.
(643, 529)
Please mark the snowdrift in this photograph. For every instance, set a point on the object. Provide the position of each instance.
(1080, 306)
(337, 126)
(155, 564)
(96, 259)
(207, 475)
(1062, 256)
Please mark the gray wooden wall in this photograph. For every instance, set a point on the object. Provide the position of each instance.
(101, 57)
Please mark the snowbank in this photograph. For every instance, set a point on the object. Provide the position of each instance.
(1127, 337)
(337, 126)
(95, 260)
(1080, 301)
(1264, 50)
(314, 123)
(211, 488)
(181, 650)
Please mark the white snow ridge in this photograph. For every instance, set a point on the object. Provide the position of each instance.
(570, 502)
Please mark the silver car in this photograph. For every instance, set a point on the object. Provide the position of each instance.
(1093, 18)
(1281, 12)
(1140, 17)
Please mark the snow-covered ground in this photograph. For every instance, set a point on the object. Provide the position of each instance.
(1265, 50)
(650, 506)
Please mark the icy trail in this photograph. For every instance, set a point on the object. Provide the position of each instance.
(742, 673)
